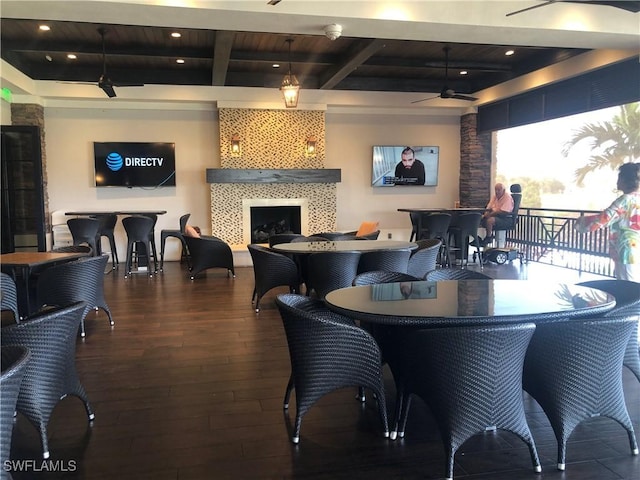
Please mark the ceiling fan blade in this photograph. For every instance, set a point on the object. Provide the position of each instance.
(126, 84)
(108, 89)
(425, 99)
(458, 96)
(549, 2)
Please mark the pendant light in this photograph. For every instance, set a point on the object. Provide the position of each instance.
(290, 87)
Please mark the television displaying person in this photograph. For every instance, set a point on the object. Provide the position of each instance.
(410, 170)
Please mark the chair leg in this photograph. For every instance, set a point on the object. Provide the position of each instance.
(287, 393)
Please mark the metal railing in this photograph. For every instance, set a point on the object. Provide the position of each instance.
(548, 235)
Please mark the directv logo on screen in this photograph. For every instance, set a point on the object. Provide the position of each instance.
(133, 164)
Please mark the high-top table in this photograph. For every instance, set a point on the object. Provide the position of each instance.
(453, 211)
(20, 265)
(468, 302)
(89, 213)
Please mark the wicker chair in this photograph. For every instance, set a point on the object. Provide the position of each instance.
(78, 281)
(573, 370)
(283, 238)
(382, 276)
(627, 296)
(311, 238)
(85, 230)
(389, 260)
(73, 249)
(51, 373)
(14, 363)
(209, 252)
(107, 227)
(271, 269)
(436, 225)
(9, 295)
(424, 258)
(471, 379)
(138, 230)
(328, 352)
(461, 228)
(455, 274)
(179, 234)
(327, 271)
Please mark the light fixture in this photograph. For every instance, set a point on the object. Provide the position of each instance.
(180, 60)
(72, 56)
(290, 87)
(176, 34)
(508, 53)
(44, 28)
(235, 145)
(310, 148)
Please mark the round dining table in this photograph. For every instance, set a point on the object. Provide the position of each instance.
(468, 302)
(343, 246)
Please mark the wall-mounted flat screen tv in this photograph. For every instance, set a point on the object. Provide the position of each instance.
(134, 164)
(403, 165)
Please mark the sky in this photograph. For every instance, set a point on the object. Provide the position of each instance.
(535, 151)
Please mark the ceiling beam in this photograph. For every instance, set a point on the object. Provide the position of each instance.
(338, 73)
(221, 56)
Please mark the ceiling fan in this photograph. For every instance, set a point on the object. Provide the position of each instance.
(104, 82)
(630, 6)
(447, 92)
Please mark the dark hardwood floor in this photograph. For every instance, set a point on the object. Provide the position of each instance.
(189, 385)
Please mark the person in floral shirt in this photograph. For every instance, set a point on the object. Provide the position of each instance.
(623, 219)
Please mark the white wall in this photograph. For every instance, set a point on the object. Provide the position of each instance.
(70, 133)
(349, 142)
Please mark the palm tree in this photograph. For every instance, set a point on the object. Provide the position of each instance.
(613, 142)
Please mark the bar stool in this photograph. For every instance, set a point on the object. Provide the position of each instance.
(179, 234)
(152, 237)
(466, 225)
(107, 226)
(436, 226)
(138, 230)
(85, 230)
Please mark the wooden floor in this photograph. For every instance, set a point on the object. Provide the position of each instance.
(189, 385)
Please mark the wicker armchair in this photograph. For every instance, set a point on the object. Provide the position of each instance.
(283, 238)
(209, 252)
(78, 281)
(51, 373)
(271, 269)
(627, 296)
(9, 295)
(424, 258)
(455, 274)
(328, 352)
(471, 379)
(573, 370)
(389, 260)
(14, 363)
(139, 230)
(327, 271)
(382, 276)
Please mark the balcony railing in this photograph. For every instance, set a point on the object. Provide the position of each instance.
(547, 235)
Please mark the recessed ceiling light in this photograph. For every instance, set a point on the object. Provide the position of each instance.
(48, 57)
(179, 60)
(176, 34)
(276, 65)
(463, 72)
(509, 52)
(71, 56)
(44, 28)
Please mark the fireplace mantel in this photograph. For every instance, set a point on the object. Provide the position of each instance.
(272, 175)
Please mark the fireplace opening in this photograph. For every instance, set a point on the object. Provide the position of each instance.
(267, 221)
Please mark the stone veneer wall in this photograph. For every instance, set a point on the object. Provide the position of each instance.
(475, 163)
(270, 139)
(33, 115)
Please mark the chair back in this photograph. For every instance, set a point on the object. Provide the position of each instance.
(84, 230)
(389, 260)
(107, 223)
(79, 281)
(369, 236)
(516, 194)
(271, 269)
(183, 222)
(455, 274)
(9, 295)
(424, 258)
(283, 238)
(328, 271)
(73, 249)
(434, 225)
(138, 227)
(380, 276)
(312, 238)
(14, 364)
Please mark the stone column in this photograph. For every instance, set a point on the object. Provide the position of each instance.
(475, 163)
